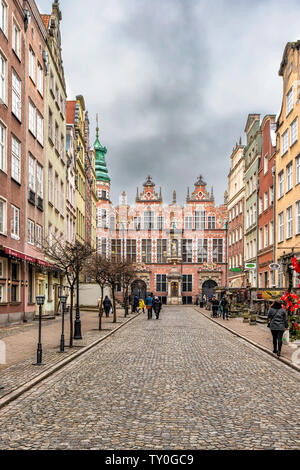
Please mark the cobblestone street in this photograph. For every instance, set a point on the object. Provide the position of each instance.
(178, 383)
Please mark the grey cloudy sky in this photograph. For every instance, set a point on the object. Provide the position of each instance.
(173, 81)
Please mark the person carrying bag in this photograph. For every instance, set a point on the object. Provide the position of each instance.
(278, 323)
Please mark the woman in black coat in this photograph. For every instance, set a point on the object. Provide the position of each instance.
(277, 322)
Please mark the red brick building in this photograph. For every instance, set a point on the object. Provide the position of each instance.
(266, 202)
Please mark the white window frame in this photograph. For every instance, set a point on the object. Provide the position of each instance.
(3, 214)
(3, 78)
(3, 147)
(266, 162)
(32, 117)
(38, 231)
(16, 38)
(16, 91)
(266, 236)
(31, 172)
(289, 222)
(294, 131)
(32, 64)
(285, 142)
(297, 170)
(289, 101)
(39, 128)
(289, 176)
(3, 16)
(39, 181)
(15, 222)
(266, 200)
(40, 78)
(30, 231)
(280, 184)
(297, 217)
(15, 159)
(280, 227)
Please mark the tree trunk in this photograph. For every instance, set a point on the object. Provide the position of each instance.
(114, 304)
(101, 309)
(71, 317)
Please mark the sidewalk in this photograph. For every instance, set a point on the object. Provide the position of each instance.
(21, 345)
(258, 333)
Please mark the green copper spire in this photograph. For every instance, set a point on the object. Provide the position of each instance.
(100, 163)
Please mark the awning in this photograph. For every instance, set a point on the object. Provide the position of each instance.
(30, 259)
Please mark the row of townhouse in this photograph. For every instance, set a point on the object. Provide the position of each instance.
(39, 168)
(264, 190)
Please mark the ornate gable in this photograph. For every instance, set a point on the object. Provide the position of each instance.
(52, 22)
(199, 193)
(148, 194)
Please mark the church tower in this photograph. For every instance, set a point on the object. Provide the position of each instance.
(102, 178)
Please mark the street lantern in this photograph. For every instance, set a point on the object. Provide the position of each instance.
(63, 300)
(40, 299)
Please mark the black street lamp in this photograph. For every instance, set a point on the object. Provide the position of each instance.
(40, 299)
(63, 300)
(77, 329)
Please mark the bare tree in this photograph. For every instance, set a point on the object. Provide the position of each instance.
(97, 267)
(70, 260)
(128, 275)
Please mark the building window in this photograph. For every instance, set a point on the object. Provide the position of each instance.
(289, 176)
(147, 251)
(40, 79)
(161, 283)
(112, 222)
(280, 184)
(3, 78)
(38, 236)
(297, 170)
(3, 16)
(200, 219)
(289, 101)
(137, 223)
(160, 222)
(260, 235)
(30, 232)
(188, 222)
(284, 142)
(289, 222)
(297, 217)
(40, 128)
(50, 125)
(16, 39)
(271, 195)
(62, 148)
(56, 191)
(16, 95)
(50, 184)
(271, 237)
(266, 236)
(15, 222)
(161, 255)
(265, 200)
(187, 283)
(62, 198)
(116, 250)
(294, 131)
(211, 221)
(3, 147)
(202, 251)
(260, 205)
(280, 226)
(266, 161)
(131, 250)
(32, 118)
(187, 250)
(15, 159)
(3, 216)
(31, 173)
(32, 64)
(103, 218)
(56, 137)
(217, 250)
(148, 220)
(103, 247)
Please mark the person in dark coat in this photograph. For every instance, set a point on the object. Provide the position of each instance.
(225, 305)
(278, 323)
(107, 305)
(136, 301)
(215, 306)
(156, 306)
(148, 303)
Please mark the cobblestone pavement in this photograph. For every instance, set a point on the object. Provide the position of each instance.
(178, 383)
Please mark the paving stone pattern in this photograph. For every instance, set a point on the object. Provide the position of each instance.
(180, 382)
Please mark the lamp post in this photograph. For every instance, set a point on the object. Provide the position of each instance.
(77, 329)
(40, 299)
(63, 300)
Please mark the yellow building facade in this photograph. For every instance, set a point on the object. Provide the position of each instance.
(288, 165)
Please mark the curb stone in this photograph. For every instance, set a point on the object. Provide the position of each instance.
(259, 346)
(52, 369)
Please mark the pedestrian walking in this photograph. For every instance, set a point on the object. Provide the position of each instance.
(156, 306)
(215, 306)
(225, 307)
(135, 303)
(148, 303)
(142, 305)
(278, 323)
(107, 305)
(197, 299)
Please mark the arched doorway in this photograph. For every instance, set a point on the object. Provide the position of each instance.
(208, 288)
(139, 288)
